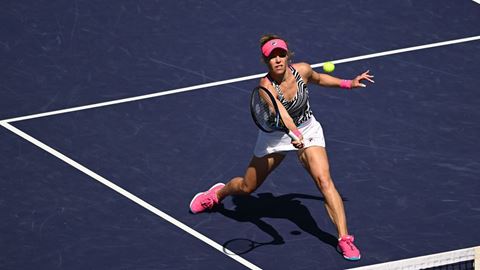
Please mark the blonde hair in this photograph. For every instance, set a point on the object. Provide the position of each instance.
(266, 38)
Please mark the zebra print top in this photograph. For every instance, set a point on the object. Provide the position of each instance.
(299, 107)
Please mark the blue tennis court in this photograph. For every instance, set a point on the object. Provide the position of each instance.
(115, 113)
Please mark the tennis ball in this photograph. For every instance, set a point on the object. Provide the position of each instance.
(328, 67)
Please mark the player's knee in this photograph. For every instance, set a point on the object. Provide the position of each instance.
(247, 189)
(325, 182)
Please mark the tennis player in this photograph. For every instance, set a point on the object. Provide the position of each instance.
(288, 84)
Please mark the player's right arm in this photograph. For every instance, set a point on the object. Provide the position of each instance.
(284, 115)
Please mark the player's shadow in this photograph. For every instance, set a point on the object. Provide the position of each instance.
(266, 205)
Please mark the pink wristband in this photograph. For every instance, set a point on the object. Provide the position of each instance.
(297, 133)
(347, 84)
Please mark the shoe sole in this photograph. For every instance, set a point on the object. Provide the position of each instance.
(348, 258)
(200, 193)
(352, 259)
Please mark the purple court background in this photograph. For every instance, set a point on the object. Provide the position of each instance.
(403, 152)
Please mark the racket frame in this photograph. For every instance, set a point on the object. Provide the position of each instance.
(278, 118)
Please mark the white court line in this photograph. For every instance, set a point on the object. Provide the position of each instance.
(476, 1)
(129, 195)
(416, 48)
(246, 78)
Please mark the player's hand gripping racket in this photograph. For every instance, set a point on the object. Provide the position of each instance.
(265, 112)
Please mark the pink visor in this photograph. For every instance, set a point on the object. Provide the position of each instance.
(271, 45)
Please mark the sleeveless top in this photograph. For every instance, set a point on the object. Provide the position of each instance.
(299, 107)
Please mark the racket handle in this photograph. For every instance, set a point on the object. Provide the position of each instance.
(294, 135)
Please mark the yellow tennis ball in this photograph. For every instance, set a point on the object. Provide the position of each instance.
(328, 67)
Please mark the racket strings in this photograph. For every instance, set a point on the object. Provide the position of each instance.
(264, 113)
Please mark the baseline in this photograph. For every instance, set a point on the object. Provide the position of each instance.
(240, 79)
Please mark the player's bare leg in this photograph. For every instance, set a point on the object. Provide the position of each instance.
(315, 160)
(255, 175)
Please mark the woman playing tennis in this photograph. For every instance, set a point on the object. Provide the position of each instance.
(288, 84)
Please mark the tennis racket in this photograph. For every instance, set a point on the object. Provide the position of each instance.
(265, 112)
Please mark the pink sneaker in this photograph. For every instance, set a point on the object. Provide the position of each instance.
(348, 249)
(205, 200)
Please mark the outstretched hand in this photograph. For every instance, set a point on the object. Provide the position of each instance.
(357, 82)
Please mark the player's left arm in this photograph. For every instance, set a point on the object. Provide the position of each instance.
(329, 81)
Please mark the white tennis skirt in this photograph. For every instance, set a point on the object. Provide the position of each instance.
(278, 141)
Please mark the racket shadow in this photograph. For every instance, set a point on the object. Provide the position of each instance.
(265, 205)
